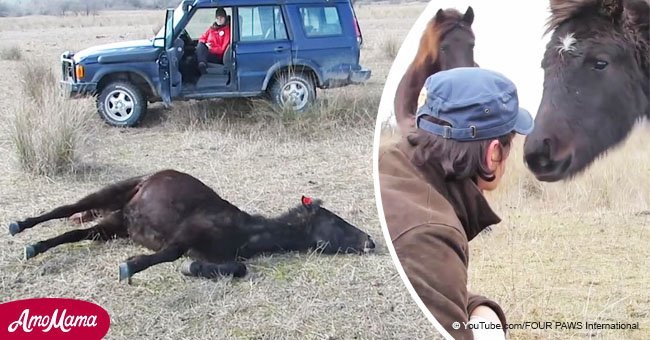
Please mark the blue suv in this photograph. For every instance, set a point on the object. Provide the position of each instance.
(281, 49)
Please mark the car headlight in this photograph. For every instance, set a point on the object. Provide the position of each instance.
(79, 71)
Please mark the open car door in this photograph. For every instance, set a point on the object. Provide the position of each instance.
(168, 63)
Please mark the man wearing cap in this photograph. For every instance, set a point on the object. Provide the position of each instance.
(432, 184)
(214, 42)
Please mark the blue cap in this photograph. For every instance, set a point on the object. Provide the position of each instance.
(478, 103)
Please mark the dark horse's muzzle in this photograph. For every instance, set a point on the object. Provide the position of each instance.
(540, 159)
(368, 245)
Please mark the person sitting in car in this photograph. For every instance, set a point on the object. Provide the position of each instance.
(214, 42)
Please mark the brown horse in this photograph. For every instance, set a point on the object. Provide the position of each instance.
(447, 42)
(173, 214)
(596, 84)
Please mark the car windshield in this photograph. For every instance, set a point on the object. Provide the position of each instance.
(178, 15)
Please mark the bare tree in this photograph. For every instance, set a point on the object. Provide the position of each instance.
(91, 6)
(5, 10)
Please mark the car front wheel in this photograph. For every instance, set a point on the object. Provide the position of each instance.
(121, 104)
(295, 92)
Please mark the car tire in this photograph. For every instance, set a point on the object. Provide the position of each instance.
(121, 104)
(295, 92)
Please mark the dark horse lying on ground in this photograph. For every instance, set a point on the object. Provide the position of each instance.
(596, 84)
(173, 214)
(447, 42)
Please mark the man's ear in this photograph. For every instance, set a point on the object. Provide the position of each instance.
(494, 155)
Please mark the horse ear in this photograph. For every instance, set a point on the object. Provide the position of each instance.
(612, 8)
(440, 15)
(468, 17)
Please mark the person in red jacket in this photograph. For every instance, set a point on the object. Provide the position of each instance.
(214, 42)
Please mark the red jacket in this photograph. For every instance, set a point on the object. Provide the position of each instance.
(218, 38)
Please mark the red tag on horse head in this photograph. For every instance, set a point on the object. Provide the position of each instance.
(306, 200)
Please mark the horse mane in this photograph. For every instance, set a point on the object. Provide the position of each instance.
(638, 30)
(563, 10)
(297, 215)
(634, 15)
(433, 33)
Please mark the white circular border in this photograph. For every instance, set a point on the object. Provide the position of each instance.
(523, 68)
(400, 64)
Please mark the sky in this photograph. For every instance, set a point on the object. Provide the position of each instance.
(509, 39)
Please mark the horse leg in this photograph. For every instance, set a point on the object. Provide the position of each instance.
(112, 197)
(141, 262)
(109, 227)
(213, 270)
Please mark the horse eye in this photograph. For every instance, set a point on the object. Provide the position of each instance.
(443, 49)
(600, 64)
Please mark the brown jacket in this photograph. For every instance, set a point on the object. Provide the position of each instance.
(430, 222)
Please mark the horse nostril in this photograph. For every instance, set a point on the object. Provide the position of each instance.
(547, 147)
(540, 158)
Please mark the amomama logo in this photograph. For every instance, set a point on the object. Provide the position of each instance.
(53, 318)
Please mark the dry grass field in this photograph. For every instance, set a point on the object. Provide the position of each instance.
(258, 160)
(571, 251)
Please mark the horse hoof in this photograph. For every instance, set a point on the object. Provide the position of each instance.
(186, 268)
(124, 272)
(14, 228)
(30, 252)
